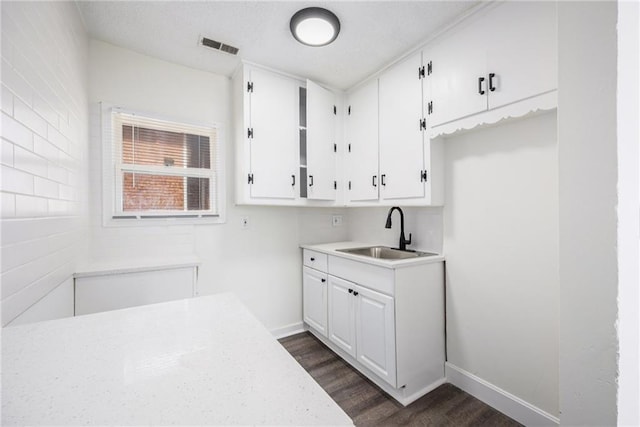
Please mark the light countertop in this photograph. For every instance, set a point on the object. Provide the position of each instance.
(123, 266)
(198, 361)
(332, 249)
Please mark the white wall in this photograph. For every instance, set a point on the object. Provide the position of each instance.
(628, 212)
(44, 152)
(587, 155)
(366, 225)
(501, 246)
(261, 264)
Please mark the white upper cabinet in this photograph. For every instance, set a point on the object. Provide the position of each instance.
(401, 131)
(457, 77)
(503, 55)
(272, 135)
(321, 142)
(522, 51)
(362, 143)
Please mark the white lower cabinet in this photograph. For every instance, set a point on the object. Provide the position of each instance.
(387, 322)
(314, 291)
(376, 333)
(342, 315)
(361, 322)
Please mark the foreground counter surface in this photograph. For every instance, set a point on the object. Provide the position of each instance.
(198, 361)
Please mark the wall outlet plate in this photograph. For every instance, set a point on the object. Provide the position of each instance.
(336, 220)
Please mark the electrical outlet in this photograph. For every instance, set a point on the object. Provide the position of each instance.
(336, 220)
(244, 221)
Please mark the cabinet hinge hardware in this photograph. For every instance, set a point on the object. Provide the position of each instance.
(335, 148)
(423, 176)
(423, 124)
(335, 185)
(249, 132)
(349, 185)
(249, 86)
(421, 72)
(429, 68)
(430, 108)
(349, 110)
(335, 110)
(250, 178)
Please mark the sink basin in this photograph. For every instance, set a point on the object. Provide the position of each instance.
(383, 252)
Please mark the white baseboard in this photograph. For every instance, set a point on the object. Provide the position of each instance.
(285, 331)
(418, 394)
(501, 400)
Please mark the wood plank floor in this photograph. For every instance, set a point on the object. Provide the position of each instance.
(368, 405)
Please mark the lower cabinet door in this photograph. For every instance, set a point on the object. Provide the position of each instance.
(375, 331)
(342, 322)
(314, 299)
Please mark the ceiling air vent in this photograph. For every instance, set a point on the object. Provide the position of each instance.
(218, 46)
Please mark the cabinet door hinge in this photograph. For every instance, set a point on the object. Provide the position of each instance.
(335, 185)
(423, 124)
(335, 110)
(249, 132)
(430, 108)
(335, 148)
(250, 178)
(249, 86)
(349, 185)
(423, 176)
(421, 72)
(429, 68)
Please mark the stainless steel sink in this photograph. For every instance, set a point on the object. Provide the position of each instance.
(383, 252)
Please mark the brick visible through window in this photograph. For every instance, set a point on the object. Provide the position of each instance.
(164, 167)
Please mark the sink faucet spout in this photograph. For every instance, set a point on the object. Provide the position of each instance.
(403, 241)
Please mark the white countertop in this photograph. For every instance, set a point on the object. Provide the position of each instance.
(332, 249)
(198, 361)
(121, 266)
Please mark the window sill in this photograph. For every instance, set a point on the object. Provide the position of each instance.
(155, 221)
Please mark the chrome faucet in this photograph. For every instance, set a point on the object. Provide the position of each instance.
(403, 242)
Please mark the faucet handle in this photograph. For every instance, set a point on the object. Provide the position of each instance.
(408, 241)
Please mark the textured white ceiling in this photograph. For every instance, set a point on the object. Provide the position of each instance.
(372, 33)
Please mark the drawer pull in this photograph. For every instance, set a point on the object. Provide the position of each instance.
(312, 259)
(323, 280)
(355, 293)
(350, 291)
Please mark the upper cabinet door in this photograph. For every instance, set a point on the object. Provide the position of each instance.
(522, 51)
(273, 135)
(457, 79)
(321, 140)
(506, 54)
(362, 143)
(401, 134)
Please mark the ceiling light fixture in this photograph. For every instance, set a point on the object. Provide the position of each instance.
(314, 26)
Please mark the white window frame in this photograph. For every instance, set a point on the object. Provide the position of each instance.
(112, 169)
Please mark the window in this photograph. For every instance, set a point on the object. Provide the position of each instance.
(160, 169)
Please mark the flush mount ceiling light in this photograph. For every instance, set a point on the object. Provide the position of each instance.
(314, 26)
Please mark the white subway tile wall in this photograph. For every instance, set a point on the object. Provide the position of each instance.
(44, 153)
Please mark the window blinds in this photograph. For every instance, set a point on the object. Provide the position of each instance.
(163, 168)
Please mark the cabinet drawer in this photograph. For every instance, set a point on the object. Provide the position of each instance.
(315, 260)
(371, 276)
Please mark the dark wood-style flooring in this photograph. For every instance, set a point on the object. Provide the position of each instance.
(368, 405)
